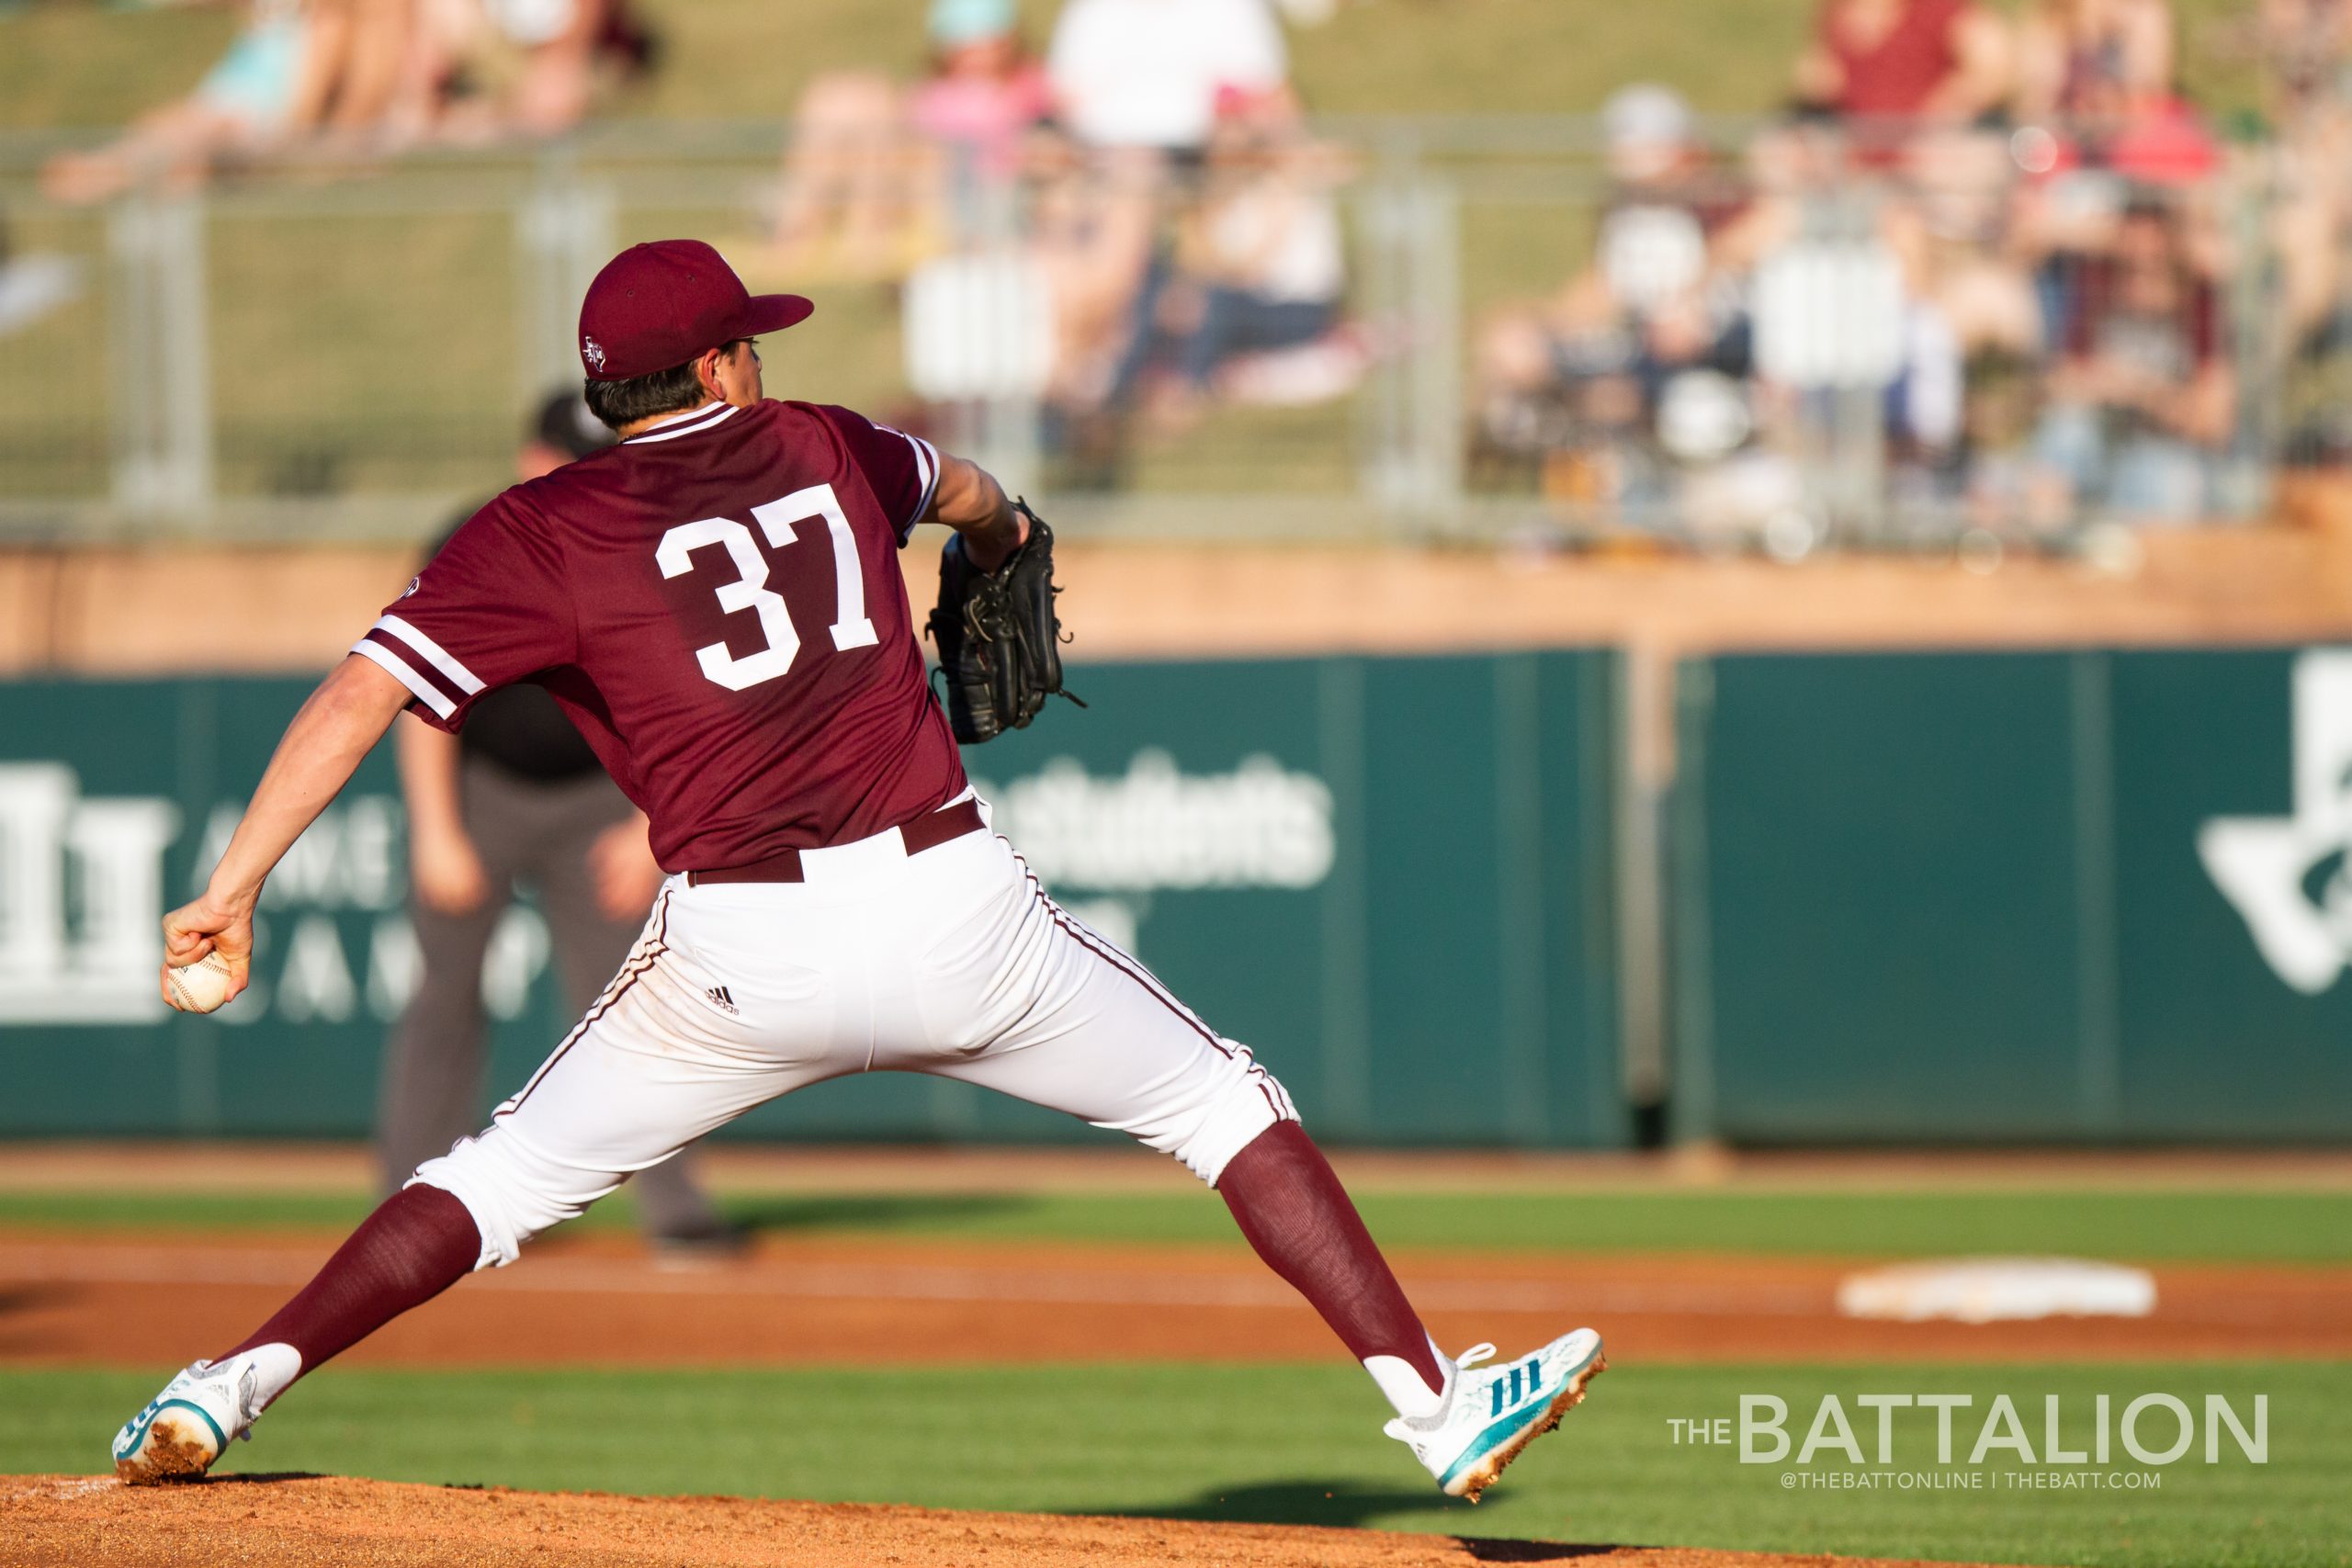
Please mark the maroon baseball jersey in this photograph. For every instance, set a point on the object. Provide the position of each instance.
(717, 604)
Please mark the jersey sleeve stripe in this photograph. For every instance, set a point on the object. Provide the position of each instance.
(398, 668)
(433, 653)
(380, 637)
(927, 470)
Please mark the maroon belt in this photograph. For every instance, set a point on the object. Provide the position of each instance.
(925, 832)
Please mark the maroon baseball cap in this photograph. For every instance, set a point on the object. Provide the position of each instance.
(659, 305)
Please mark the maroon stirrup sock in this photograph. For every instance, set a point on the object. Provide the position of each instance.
(1290, 1206)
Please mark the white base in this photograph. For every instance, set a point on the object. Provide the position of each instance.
(1997, 1289)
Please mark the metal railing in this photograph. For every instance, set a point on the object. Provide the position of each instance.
(316, 351)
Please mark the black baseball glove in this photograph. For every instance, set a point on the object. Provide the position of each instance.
(999, 639)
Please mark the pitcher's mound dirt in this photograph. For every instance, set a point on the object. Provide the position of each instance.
(60, 1521)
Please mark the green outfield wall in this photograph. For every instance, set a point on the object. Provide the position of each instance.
(1392, 877)
(2061, 897)
(2003, 897)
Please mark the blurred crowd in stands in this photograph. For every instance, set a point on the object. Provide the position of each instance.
(1153, 171)
(2016, 224)
(1994, 256)
(362, 78)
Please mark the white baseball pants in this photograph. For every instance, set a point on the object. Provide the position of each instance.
(953, 961)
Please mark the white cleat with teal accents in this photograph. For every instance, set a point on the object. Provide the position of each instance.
(185, 1429)
(1493, 1412)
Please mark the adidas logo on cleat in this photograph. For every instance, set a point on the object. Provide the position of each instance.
(1529, 1376)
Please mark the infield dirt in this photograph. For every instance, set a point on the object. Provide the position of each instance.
(59, 1521)
(124, 1299)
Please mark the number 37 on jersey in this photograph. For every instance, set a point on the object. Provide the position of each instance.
(780, 522)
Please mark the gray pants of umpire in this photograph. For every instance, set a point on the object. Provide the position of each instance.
(433, 1066)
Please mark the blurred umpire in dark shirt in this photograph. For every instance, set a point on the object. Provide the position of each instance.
(518, 796)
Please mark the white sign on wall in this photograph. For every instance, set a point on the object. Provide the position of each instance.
(2290, 877)
(82, 901)
(95, 962)
(1157, 827)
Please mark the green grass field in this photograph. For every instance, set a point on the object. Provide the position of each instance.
(1296, 1445)
(2165, 1224)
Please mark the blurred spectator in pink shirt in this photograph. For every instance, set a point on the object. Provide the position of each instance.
(985, 91)
(2096, 77)
(879, 178)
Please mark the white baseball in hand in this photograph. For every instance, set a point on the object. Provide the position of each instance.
(200, 986)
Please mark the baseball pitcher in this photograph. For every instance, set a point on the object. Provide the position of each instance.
(714, 603)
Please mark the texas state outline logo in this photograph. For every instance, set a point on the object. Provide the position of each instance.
(2290, 877)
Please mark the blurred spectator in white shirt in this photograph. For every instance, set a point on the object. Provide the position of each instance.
(1146, 73)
